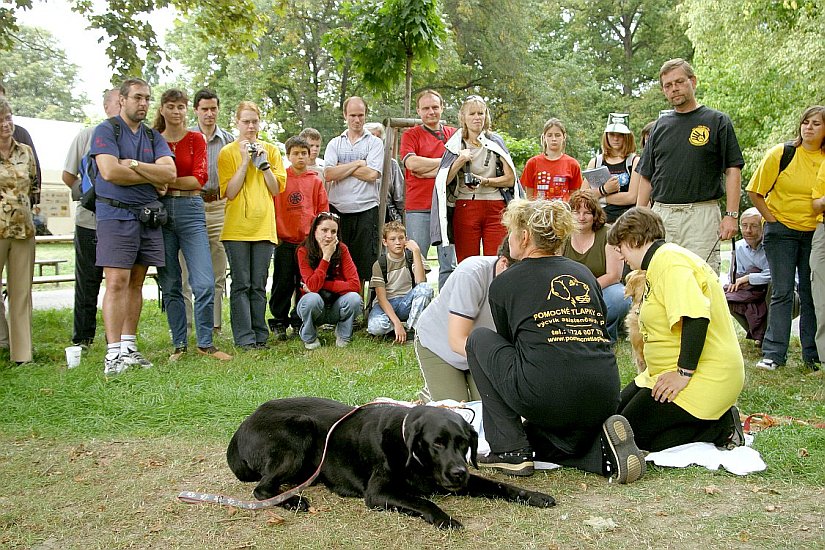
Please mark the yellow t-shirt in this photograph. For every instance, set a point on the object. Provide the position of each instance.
(819, 188)
(790, 199)
(680, 284)
(250, 216)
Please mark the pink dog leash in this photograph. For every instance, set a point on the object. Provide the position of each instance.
(191, 497)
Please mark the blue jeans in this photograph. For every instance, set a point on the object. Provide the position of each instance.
(313, 312)
(418, 229)
(407, 307)
(248, 268)
(788, 252)
(186, 232)
(617, 307)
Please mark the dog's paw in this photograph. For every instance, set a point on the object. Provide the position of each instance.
(447, 522)
(296, 504)
(539, 500)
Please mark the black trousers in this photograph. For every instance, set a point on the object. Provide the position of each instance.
(286, 279)
(87, 279)
(657, 426)
(494, 364)
(359, 231)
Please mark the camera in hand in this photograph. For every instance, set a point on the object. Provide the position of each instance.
(253, 149)
(471, 181)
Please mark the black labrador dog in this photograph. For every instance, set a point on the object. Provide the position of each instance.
(392, 456)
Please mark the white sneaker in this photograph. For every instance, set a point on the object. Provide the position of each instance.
(767, 364)
(315, 344)
(340, 342)
(115, 366)
(136, 359)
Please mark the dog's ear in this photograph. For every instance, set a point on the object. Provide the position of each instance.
(473, 446)
(411, 433)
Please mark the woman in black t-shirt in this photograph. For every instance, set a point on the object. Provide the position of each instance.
(550, 360)
(619, 156)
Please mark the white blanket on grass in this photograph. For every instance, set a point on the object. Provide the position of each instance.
(739, 461)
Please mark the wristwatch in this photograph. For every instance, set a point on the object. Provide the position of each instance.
(734, 215)
(133, 164)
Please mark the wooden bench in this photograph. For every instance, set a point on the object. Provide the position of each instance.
(54, 263)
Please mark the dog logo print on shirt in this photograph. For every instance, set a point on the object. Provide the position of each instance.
(699, 136)
(570, 289)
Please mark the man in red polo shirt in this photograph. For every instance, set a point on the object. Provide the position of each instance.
(421, 150)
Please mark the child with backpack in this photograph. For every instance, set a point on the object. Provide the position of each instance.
(399, 282)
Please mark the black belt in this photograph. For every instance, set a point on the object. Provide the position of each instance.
(116, 203)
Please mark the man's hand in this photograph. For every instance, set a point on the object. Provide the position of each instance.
(668, 386)
(728, 228)
(412, 246)
(741, 282)
(243, 145)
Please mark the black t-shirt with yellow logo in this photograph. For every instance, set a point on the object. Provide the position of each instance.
(551, 309)
(687, 155)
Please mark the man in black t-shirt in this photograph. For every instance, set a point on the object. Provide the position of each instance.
(691, 160)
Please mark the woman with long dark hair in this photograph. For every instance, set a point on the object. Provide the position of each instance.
(783, 194)
(185, 231)
(619, 157)
(329, 281)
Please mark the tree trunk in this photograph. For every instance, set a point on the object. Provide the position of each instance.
(408, 86)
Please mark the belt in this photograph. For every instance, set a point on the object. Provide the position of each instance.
(116, 203)
(210, 197)
(179, 193)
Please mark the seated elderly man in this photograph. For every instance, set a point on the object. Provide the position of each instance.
(750, 277)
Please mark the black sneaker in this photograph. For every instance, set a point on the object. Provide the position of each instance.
(514, 463)
(278, 332)
(737, 437)
(627, 461)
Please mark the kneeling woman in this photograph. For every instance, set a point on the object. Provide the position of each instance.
(550, 361)
(695, 370)
(330, 282)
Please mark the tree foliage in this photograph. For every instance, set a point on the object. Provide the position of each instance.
(39, 79)
(385, 39)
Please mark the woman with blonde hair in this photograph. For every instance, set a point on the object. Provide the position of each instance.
(553, 174)
(472, 186)
(250, 172)
(619, 157)
(549, 360)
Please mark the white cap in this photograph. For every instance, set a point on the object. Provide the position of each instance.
(617, 123)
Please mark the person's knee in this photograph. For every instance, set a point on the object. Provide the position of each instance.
(310, 302)
(379, 324)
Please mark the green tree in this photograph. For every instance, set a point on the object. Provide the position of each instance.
(131, 40)
(385, 39)
(39, 79)
(760, 62)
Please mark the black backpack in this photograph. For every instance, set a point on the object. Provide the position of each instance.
(788, 152)
(88, 166)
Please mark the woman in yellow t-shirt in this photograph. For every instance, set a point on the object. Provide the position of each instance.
(250, 173)
(695, 369)
(784, 200)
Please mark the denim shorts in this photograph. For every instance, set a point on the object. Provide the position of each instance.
(124, 243)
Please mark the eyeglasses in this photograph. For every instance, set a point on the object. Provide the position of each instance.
(474, 98)
(139, 98)
(332, 215)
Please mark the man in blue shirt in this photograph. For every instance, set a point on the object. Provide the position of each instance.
(749, 278)
(135, 166)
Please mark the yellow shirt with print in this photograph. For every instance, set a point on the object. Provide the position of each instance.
(819, 188)
(790, 199)
(680, 285)
(250, 216)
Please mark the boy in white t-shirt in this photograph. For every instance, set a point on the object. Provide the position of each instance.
(399, 282)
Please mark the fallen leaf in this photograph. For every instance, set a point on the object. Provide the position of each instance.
(744, 537)
(804, 528)
(662, 514)
(198, 459)
(712, 490)
(243, 545)
(156, 529)
(600, 523)
(771, 508)
(803, 453)
(583, 486)
(274, 519)
(231, 511)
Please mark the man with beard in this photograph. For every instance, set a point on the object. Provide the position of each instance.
(135, 166)
(692, 159)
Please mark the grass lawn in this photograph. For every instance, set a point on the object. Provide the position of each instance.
(87, 462)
